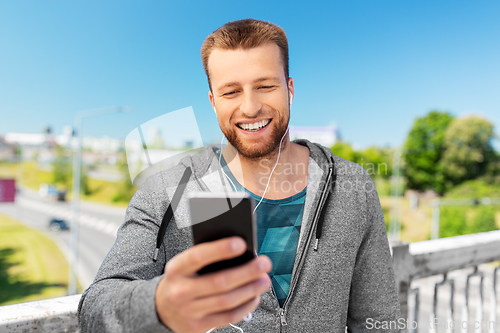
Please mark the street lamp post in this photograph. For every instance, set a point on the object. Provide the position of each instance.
(77, 161)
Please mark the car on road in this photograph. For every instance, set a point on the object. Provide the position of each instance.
(57, 225)
(51, 192)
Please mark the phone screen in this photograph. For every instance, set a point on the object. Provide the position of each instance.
(217, 216)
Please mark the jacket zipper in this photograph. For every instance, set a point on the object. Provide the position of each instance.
(282, 311)
(283, 317)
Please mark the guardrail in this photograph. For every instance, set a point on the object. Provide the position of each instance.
(412, 262)
(50, 315)
(419, 260)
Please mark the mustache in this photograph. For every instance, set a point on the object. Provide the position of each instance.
(261, 114)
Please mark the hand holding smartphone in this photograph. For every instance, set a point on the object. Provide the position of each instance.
(186, 296)
(220, 215)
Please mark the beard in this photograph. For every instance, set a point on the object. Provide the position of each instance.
(256, 150)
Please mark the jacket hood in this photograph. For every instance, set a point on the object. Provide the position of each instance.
(206, 161)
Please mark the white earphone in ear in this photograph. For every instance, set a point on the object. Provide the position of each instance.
(291, 99)
(214, 109)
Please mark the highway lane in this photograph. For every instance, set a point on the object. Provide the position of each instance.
(98, 227)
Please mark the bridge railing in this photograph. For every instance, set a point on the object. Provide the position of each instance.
(412, 263)
(442, 258)
(49, 315)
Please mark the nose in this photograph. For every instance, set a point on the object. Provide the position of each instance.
(250, 104)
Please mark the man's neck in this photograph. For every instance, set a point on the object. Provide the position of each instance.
(289, 176)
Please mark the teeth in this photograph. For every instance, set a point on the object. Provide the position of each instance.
(254, 126)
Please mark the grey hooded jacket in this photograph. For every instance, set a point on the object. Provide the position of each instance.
(344, 279)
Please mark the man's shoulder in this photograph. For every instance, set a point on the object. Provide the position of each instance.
(199, 162)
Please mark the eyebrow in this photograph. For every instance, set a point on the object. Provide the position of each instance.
(267, 78)
(234, 83)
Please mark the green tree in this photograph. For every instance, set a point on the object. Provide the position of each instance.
(423, 150)
(468, 149)
(345, 150)
(377, 161)
(492, 175)
(452, 221)
(457, 221)
(482, 219)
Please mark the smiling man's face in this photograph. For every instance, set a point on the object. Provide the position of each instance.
(251, 96)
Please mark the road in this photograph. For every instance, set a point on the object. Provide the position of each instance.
(98, 227)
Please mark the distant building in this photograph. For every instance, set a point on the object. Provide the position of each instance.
(324, 135)
(7, 151)
(104, 150)
(66, 139)
(27, 139)
(42, 147)
(33, 145)
(103, 145)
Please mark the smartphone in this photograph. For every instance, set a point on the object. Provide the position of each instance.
(219, 215)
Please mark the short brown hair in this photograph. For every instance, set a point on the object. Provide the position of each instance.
(245, 34)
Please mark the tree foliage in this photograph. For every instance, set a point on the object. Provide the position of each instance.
(457, 221)
(423, 150)
(377, 161)
(442, 152)
(476, 188)
(468, 149)
(345, 150)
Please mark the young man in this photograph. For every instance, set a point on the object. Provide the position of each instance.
(324, 261)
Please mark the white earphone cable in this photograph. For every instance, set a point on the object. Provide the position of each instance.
(269, 180)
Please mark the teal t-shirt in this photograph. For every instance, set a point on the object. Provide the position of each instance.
(278, 230)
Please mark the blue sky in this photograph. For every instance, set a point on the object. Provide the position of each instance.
(371, 67)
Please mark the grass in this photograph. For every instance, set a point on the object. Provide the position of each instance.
(416, 224)
(32, 177)
(31, 265)
(102, 191)
(7, 170)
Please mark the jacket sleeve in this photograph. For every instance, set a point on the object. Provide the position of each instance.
(122, 297)
(373, 302)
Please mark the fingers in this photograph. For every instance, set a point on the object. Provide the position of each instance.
(188, 302)
(232, 316)
(232, 278)
(230, 300)
(193, 259)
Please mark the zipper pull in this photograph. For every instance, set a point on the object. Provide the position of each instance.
(282, 313)
(316, 245)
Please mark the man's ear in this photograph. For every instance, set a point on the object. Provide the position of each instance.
(291, 90)
(212, 101)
